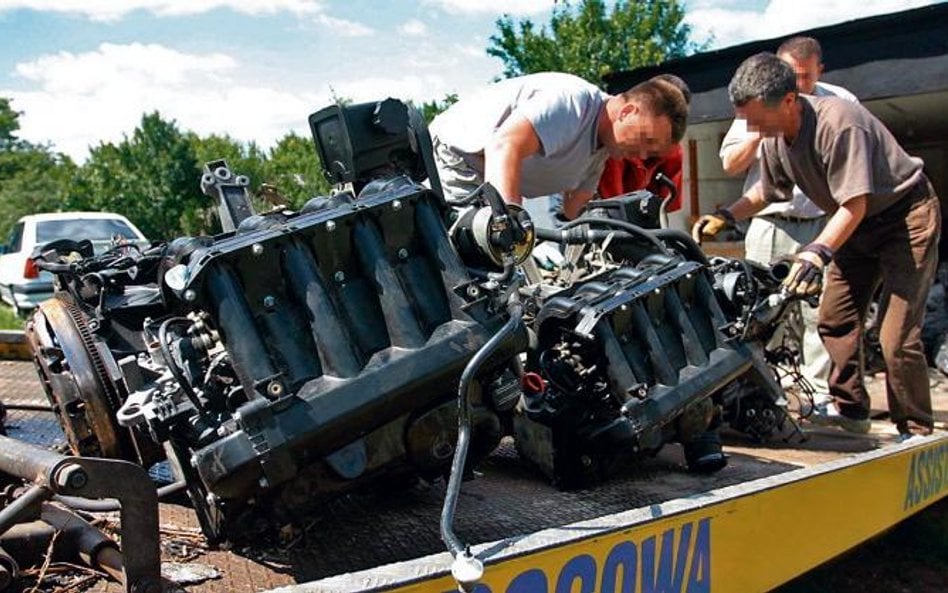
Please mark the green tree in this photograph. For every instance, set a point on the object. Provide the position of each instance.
(590, 40)
(152, 177)
(9, 123)
(295, 170)
(33, 178)
(243, 159)
(430, 109)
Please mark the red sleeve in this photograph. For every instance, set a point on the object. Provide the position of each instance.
(670, 165)
(610, 184)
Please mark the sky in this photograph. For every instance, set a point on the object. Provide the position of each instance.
(84, 71)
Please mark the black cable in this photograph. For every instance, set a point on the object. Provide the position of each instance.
(634, 229)
(455, 545)
(110, 505)
(172, 365)
(685, 241)
(466, 200)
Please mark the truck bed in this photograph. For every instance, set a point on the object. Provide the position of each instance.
(388, 539)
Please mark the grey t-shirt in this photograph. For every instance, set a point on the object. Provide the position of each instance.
(564, 111)
(841, 152)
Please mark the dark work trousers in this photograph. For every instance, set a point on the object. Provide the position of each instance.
(900, 247)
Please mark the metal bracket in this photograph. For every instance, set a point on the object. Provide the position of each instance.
(97, 478)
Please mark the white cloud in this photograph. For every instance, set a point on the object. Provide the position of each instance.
(415, 87)
(82, 99)
(471, 51)
(782, 17)
(514, 7)
(110, 10)
(413, 28)
(344, 27)
(77, 100)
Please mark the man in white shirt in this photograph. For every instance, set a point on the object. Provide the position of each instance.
(783, 228)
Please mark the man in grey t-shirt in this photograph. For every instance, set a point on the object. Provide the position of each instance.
(884, 222)
(549, 133)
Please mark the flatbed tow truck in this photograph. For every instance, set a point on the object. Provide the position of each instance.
(778, 510)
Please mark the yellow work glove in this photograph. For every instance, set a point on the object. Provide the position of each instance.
(806, 272)
(711, 224)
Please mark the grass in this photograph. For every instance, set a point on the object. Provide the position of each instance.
(9, 320)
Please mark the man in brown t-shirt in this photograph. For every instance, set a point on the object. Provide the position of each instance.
(884, 223)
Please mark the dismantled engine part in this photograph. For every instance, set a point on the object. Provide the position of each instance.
(28, 520)
(296, 356)
(300, 354)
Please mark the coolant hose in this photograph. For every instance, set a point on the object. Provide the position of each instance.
(678, 240)
(683, 240)
(466, 568)
(633, 229)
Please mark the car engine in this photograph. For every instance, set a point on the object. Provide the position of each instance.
(382, 332)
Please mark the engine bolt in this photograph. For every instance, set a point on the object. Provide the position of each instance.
(190, 295)
(256, 249)
(403, 253)
(340, 276)
(72, 477)
(397, 205)
(473, 291)
(275, 388)
(331, 226)
(269, 302)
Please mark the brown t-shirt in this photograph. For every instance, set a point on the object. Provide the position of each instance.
(841, 151)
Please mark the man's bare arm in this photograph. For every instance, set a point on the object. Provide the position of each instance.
(574, 201)
(504, 154)
(843, 223)
(738, 158)
(749, 204)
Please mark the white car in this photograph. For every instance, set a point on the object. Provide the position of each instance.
(21, 284)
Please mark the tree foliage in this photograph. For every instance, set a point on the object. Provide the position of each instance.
(295, 170)
(9, 123)
(151, 177)
(591, 40)
(430, 109)
(32, 178)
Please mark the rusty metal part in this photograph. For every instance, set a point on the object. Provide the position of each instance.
(110, 505)
(28, 407)
(76, 539)
(93, 547)
(98, 478)
(75, 380)
(23, 508)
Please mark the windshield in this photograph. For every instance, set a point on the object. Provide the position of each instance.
(103, 229)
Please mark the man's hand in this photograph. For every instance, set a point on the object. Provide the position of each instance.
(711, 224)
(806, 274)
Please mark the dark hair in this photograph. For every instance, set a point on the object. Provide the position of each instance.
(762, 76)
(678, 83)
(661, 97)
(801, 48)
